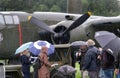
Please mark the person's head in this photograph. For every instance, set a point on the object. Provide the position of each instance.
(44, 49)
(90, 42)
(83, 47)
(26, 52)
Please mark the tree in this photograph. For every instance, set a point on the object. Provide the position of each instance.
(40, 7)
(15, 5)
(97, 7)
(102, 7)
(55, 8)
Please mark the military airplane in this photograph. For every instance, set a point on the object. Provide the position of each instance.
(57, 28)
(67, 30)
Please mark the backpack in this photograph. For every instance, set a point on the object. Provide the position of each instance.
(37, 64)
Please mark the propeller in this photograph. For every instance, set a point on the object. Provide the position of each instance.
(59, 36)
(78, 22)
(40, 24)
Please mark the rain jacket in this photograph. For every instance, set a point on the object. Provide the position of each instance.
(90, 63)
(25, 65)
(43, 72)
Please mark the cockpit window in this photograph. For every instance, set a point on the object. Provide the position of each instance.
(2, 20)
(8, 19)
(16, 19)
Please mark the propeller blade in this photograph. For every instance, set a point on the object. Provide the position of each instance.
(78, 22)
(40, 24)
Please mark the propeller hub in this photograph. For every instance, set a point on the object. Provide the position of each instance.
(59, 37)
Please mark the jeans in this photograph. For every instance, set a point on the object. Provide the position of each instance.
(108, 73)
(101, 74)
(118, 75)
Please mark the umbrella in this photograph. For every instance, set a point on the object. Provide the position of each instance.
(104, 37)
(35, 47)
(114, 45)
(23, 47)
(78, 43)
(66, 69)
(108, 40)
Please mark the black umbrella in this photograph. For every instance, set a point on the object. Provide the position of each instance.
(66, 69)
(78, 43)
(108, 40)
(104, 37)
(114, 45)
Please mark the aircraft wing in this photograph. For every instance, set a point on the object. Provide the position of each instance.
(111, 24)
(106, 21)
(57, 16)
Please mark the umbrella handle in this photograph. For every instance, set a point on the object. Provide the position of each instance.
(34, 59)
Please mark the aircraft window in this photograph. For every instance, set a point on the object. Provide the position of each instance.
(8, 19)
(2, 20)
(16, 19)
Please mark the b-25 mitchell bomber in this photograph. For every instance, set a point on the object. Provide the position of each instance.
(56, 28)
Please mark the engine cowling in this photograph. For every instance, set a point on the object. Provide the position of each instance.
(56, 39)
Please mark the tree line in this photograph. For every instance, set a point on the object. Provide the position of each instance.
(33, 5)
(97, 7)
(102, 7)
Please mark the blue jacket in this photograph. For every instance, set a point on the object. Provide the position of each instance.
(90, 63)
(25, 63)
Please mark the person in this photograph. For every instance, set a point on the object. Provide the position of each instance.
(117, 66)
(24, 58)
(43, 72)
(108, 60)
(80, 56)
(91, 57)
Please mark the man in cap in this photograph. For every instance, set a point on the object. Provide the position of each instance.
(91, 60)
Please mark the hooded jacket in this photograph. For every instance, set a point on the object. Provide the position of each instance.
(90, 63)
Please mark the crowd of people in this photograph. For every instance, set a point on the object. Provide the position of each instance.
(97, 62)
(94, 62)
